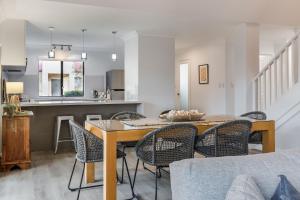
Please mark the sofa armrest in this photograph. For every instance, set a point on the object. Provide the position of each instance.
(211, 178)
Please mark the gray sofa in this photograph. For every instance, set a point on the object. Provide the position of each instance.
(211, 178)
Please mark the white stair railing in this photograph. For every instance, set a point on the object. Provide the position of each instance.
(278, 76)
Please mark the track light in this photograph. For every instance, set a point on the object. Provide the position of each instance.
(114, 57)
(83, 53)
(114, 53)
(83, 56)
(51, 53)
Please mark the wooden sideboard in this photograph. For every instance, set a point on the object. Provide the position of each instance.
(16, 141)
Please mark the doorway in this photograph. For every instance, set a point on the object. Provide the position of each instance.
(184, 86)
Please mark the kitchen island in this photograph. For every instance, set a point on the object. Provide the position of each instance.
(45, 112)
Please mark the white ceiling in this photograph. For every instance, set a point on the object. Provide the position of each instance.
(189, 21)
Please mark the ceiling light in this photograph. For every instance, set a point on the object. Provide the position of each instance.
(83, 56)
(83, 53)
(114, 57)
(51, 53)
(114, 53)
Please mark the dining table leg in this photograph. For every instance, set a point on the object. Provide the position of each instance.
(109, 166)
(90, 172)
(268, 143)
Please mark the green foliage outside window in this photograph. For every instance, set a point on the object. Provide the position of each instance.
(73, 93)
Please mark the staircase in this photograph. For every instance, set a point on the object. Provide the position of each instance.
(277, 92)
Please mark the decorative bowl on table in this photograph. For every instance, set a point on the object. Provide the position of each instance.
(182, 116)
(196, 115)
(163, 116)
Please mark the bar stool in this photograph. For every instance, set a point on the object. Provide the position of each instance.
(57, 138)
(93, 117)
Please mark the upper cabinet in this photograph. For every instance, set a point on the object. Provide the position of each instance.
(13, 52)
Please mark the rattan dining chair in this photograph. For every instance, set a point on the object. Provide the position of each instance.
(256, 136)
(126, 115)
(89, 149)
(165, 145)
(227, 139)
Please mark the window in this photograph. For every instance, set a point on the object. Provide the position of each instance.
(61, 78)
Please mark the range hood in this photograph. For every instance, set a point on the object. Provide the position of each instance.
(14, 69)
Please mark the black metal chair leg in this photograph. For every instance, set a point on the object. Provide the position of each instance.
(78, 194)
(134, 196)
(162, 169)
(156, 170)
(144, 165)
(152, 172)
(69, 184)
(135, 172)
(120, 181)
(123, 160)
(71, 177)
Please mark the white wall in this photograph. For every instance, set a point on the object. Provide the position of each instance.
(131, 65)
(95, 68)
(252, 61)
(232, 65)
(242, 63)
(273, 38)
(149, 72)
(156, 74)
(287, 136)
(209, 98)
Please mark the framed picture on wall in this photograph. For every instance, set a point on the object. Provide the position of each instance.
(203, 74)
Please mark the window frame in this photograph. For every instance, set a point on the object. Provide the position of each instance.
(62, 78)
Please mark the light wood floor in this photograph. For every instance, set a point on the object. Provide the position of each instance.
(49, 175)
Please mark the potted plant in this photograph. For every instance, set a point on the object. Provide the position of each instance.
(10, 109)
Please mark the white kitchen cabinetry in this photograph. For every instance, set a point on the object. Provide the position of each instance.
(13, 33)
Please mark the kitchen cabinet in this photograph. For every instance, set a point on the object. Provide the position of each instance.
(13, 52)
(16, 141)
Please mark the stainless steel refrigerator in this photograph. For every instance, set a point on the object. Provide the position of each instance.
(115, 83)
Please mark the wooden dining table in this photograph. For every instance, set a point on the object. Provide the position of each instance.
(113, 131)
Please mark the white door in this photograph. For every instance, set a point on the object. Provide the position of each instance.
(184, 87)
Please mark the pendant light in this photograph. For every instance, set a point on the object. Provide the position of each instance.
(51, 53)
(114, 53)
(83, 53)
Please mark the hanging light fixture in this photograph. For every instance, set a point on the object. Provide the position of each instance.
(51, 53)
(114, 53)
(83, 53)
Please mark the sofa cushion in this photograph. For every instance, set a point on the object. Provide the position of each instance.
(285, 190)
(211, 178)
(244, 188)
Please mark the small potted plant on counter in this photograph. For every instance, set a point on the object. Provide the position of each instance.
(10, 109)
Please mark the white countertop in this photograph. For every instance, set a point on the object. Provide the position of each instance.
(76, 103)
